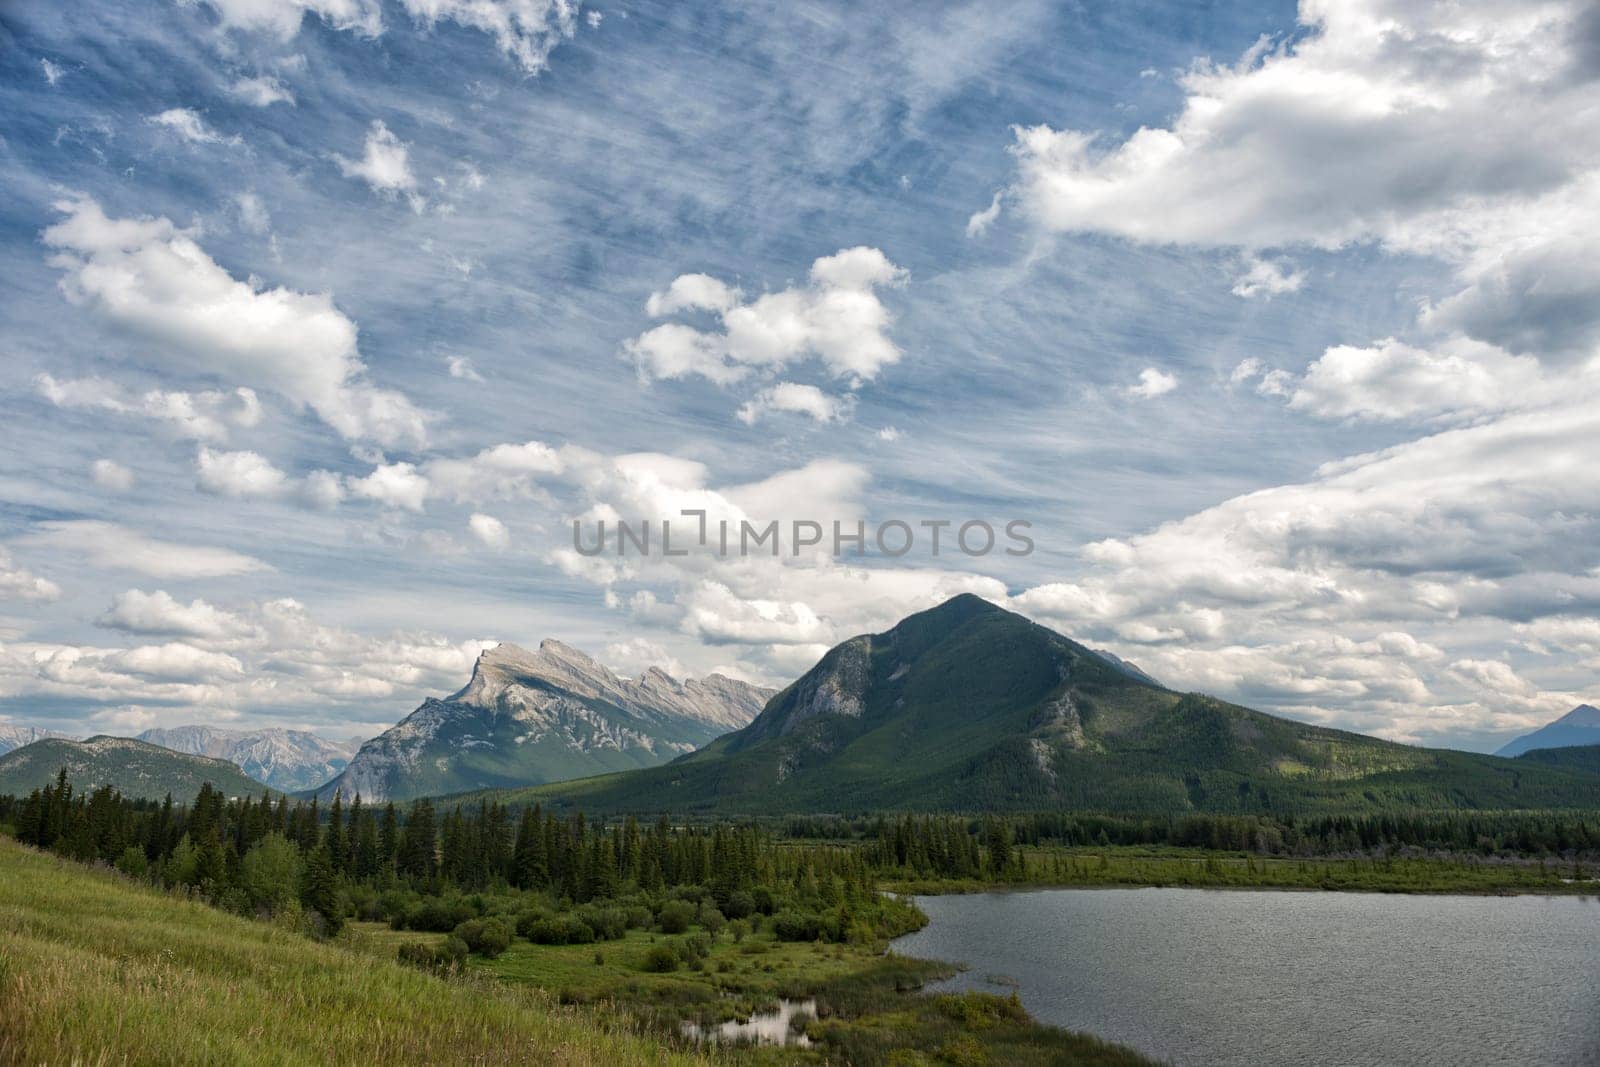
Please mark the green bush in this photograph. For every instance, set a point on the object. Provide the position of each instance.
(560, 930)
(486, 937)
(675, 916)
(133, 862)
(661, 958)
(439, 915)
(711, 919)
(792, 925)
(739, 905)
(527, 920)
(694, 948)
(608, 924)
(270, 872)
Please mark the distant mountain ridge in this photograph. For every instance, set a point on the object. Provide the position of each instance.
(13, 736)
(547, 715)
(969, 707)
(287, 760)
(134, 768)
(1580, 726)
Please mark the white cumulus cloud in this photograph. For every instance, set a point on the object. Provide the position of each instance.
(151, 278)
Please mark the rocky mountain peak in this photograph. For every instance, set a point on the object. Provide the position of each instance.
(526, 717)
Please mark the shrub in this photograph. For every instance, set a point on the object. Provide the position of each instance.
(765, 903)
(739, 905)
(661, 958)
(712, 919)
(675, 916)
(639, 917)
(608, 924)
(738, 929)
(560, 930)
(527, 920)
(964, 1051)
(792, 925)
(694, 947)
(486, 937)
(133, 862)
(439, 915)
(979, 1011)
(270, 872)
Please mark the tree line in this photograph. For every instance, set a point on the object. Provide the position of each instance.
(270, 854)
(956, 846)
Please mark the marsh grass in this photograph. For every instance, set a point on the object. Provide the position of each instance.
(95, 969)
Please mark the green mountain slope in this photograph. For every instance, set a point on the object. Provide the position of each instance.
(1583, 758)
(134, 768)
(969, 707)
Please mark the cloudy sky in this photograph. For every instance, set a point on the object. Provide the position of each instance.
(325, 319)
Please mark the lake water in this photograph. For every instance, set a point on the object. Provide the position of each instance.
(762, 1028)
(1198, 977)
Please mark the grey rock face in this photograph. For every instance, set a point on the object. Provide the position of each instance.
(290, 760)
(546, 715)
(16, 736)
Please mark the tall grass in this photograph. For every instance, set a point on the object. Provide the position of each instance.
(97, 970)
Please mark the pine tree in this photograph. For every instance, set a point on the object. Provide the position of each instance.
(419, 846)
(319, 890)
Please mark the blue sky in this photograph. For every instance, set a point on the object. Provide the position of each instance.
(323, 322)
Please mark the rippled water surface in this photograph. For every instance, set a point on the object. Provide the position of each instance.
(1197, 977)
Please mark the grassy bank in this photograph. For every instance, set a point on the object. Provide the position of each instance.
(869, 1010)
(95, 969)
(1087, 867)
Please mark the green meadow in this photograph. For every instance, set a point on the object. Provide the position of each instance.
(97, 969)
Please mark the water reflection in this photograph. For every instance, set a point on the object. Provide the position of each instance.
(762, 1028)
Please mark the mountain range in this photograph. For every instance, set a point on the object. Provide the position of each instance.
(134, 768)
(287, 760)
(12, 736)
(971, 707)
(544, 716)
(1580, 726)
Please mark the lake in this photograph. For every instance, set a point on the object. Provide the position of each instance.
(1206, 977)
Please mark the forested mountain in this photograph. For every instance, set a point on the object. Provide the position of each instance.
(287, 760)
(545, 716)
(1580, 726)
(971, 707)
(133, 768)
(1585, 758)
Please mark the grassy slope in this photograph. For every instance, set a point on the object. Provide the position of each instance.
(94, 969)
(135, 768)
(958, 701)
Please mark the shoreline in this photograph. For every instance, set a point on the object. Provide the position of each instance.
(1043, 887)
